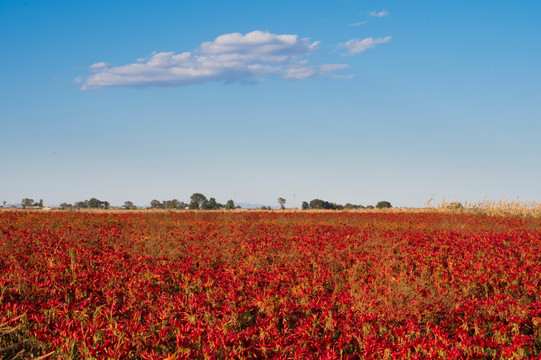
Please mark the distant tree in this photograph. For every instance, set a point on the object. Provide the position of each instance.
(369, 206)
(155, 204)
(335, 206)
(305, 205)
(182, 205)
(26, 202)
(81, 204)
(212, 204)
(65, 206)
(383, 205)
(322, 204)
(92, 204)
(40, 203)
(230, 205)
(128, 205)
(205, 205)
(5, 202)
(196, 200)
(317, 204)
(172, 204)
(282, 202)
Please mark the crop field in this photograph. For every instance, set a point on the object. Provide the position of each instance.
(256, 285)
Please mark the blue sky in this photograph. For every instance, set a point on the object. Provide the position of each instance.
(347, 101)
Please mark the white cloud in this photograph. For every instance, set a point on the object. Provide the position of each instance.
(230, 58)
(355, 46)
(359, 23)
(99, 65)
(381, 13)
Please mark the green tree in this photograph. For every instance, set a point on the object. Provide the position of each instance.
(172, 204)
(317, 204)
(230, 205)
(205, 205)
(81, 204)
(305, 205)
(196, 200)
(65, 206)
(92, 204)
(155, 204)
(182, 205)
(383, 205)
(212, 204)
(282, 202)
(26, 202)
(128, 205)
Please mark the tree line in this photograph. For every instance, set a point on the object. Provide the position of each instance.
(198, 201)
(27, 202)
(318, 204)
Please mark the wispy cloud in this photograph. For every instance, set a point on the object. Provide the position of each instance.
(355, 46)
(229, 58)
(359, 23)
(381, 13)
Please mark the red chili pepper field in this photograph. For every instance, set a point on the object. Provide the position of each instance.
(256, 285)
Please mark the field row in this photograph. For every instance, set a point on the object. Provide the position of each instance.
(189, 285)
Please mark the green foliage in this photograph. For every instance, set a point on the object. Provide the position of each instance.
(210, 204)
(317, 204)
(65, 206)
(92, 204)
(230, 205)
(168, 204)
(324, 205)
(281, 202)
(383, 205)
(26, 202)
(196, 200)
(128, 205)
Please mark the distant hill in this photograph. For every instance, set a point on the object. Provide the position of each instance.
(253, 206)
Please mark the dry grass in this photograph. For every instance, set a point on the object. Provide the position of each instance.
(502, 207)
(17, 343)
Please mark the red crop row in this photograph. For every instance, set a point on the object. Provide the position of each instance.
(189, 285)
